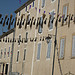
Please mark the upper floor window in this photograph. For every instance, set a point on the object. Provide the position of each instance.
(17, 56)
(33, 4)
(4, 52)
(40, 25)
(19, 39)
(65, 9)
(19, 13)
(26, 8)
(43, 3)
(62, 47)
(49, 49)
(52, 17)
(24, 54)
(9, 52)
(1, 54)
(39, 51)
(73, 46)
(26, 35)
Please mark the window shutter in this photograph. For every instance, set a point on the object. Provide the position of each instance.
(49, 49)
(38, 52)
(73, 47)
(62, 48)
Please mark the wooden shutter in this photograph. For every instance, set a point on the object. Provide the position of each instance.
(73, 47)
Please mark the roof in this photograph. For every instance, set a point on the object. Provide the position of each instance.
(24, 5)
(7, 33)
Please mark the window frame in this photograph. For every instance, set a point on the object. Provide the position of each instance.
(40, 51)
(67, 4)
(44, 4)
(53, 25)
(24, 55)
(41, 27)
(64, 37)
(72, 57)
(18, 57)
(50, 51)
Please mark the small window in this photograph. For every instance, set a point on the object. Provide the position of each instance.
(26, 8)
(52, 16)
(73, 46)
(5, 53)
(40, 25)
(49, 49)
(26, 35)
(33, 3)
(43, 3)
(19, 39)
(1, 53)
(17, 56)
(19, 13)
(65, 8)
(24, 54)
(38, 51)
(9, 52)
(62, 47)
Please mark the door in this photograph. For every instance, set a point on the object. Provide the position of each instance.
(6, 69)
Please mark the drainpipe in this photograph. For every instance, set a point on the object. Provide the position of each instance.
(55, 42)
(11, 58)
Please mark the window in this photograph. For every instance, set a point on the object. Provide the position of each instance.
(62, 47)
(49, 49)
(19, 13)
(65, 8)
(19, 40)
(38, 51)
(73, 46)
(9, 52)
(26, 8)
(5, 53)
(1, 53)
(40, 25)
(43, 3)
(17, 56)
(24, 54)
(33, 3)
(26, 35)
(52, 16)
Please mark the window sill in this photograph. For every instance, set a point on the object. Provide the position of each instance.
(47, 59)
(61, 58)
(73, 57)
(51, 29)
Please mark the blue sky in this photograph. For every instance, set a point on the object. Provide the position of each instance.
(8, 7)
